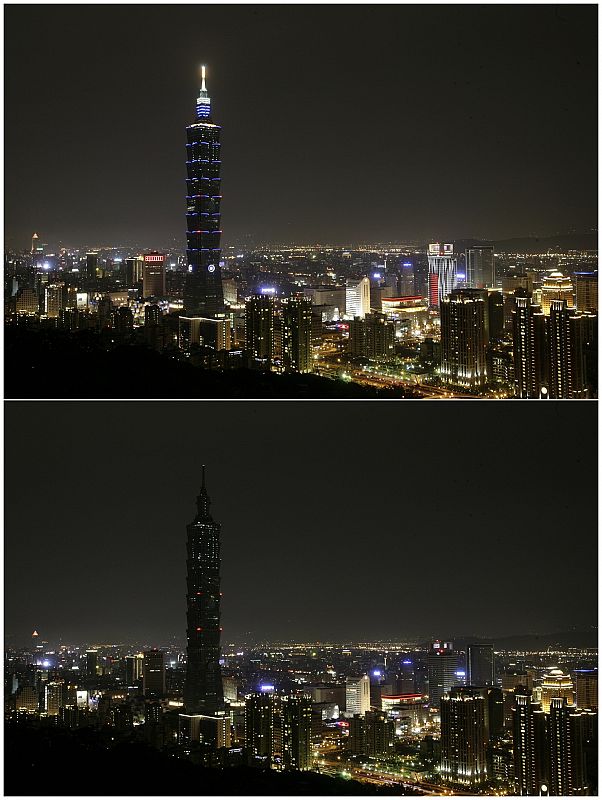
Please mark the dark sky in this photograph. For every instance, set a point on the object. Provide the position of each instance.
(340, 123)
(339, 520)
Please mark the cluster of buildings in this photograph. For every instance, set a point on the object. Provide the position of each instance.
(469, 319)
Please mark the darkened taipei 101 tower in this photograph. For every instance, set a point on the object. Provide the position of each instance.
(203, 691)
(203, 293)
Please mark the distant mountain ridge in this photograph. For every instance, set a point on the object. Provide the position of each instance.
(535, 244)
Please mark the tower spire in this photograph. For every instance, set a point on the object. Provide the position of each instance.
(203, 101)
(203, 502)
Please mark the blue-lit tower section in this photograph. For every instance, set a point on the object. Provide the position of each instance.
(203, 293)
(203, 691)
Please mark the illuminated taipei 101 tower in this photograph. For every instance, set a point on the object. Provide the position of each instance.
(203, 293)
(203, 691)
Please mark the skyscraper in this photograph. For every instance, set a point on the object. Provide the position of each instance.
(480, 270)
(357, 297)
(296, 335)
(260, 313)
(556, 684)
(464, 737)
(571, 333)
(153, 276)
(567, 763)
(463, 339)
(357, 695)
(529, 744)
(586, 688)
(530, 347)
(442, 272)
(203, 691)
(153, 673)
(203, 293)
(479, 661)
(442, 664)
(586, 291)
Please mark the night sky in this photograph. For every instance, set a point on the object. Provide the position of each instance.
(340, 123)
(339, 520)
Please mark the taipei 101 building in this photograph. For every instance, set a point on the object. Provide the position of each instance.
(203, 691)
(203, 293)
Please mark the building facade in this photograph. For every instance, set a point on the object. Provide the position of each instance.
(203, 690)
(203, 293)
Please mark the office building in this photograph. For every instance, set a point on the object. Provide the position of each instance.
(571, 334)
(91, 663)
(567, 776)
(133, 669)
(463, 339)
(480, 665)
(153, 276)
(357, 695)
(215, 333)
(134, 271)
(372, 337)
(442, 665)
(27, 699)
(586, 688)
(153, 673)
(530, 339)
(203, 690)
(586, 291)
(464, 737)
(480, 267)
(296, 335)
(53, 698)
(530, 748)
(442, 272)
(556, 684)
(54, 299)
(27, 302)
(556, 286)
(357, 298)
(91, 266)
(203, 293)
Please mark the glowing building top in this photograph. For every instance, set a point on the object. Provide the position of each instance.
(203, 101)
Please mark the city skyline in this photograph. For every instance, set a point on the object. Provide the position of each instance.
(301, 526)
(458, 117)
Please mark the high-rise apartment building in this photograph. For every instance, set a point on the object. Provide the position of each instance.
(480, 665)
(153, 673)
(442, 665)
(567, 775)
(442, 272)
(203, 690)
(464, 737)
(203, 293)
(530, 347)
(357, 695)
(372, 337)
(463, 339)
(260, 315)
(296, 335)
(571, 334)
(91, 266)
(357, 297)
(54, 299)
(480, 267)
(91, 663)
(296, 733)
(278, 731)
(529, 744)
(153, 276)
